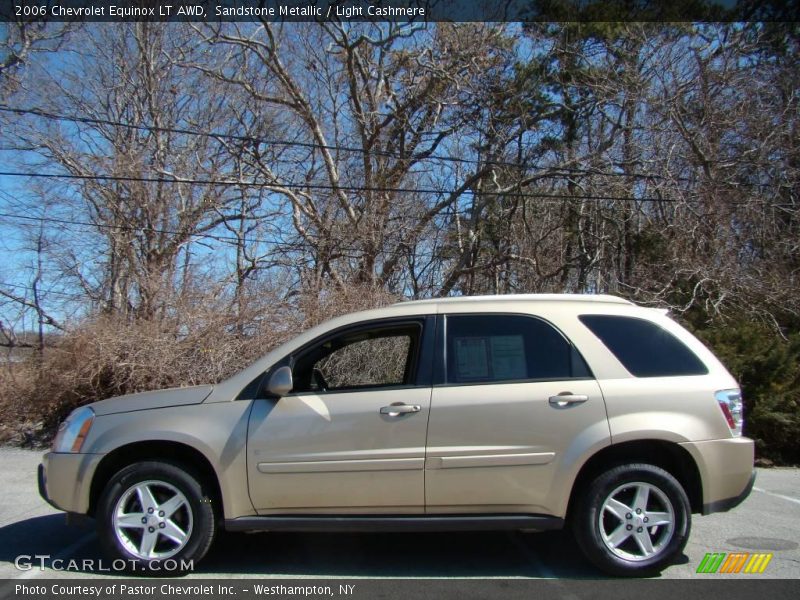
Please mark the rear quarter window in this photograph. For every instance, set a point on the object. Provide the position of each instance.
(644, 348)
(492, 348)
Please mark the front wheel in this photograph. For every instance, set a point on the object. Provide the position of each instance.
(156, 517)
(632, 520)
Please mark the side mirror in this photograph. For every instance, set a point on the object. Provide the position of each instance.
(281, 382)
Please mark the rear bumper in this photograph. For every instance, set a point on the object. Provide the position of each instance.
(726, 471)
(729, 503)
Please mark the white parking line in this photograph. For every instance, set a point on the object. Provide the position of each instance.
(36, 572)
(789, 498)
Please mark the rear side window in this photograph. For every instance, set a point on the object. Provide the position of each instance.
(497, 348)
(644, 348)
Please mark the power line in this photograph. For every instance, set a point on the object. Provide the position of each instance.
(354, 188)
(215, 237)
(334, 147)
(248, 138)
(360, 188)
(340, 251)
(60, 221)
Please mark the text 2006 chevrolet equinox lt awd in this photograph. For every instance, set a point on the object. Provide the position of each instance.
(499, 412)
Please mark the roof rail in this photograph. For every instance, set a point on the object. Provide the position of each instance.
(606, 298)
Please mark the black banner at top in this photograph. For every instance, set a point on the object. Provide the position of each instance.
(210, 11)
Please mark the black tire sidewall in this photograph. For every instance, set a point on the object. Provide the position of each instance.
(585, 521)
(203, 517)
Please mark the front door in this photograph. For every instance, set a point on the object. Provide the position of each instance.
(350, 437)
(515, 398)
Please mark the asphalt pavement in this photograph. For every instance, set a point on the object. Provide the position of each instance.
(767, 522)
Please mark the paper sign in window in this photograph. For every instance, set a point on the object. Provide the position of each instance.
(508, 357)
(472, 360)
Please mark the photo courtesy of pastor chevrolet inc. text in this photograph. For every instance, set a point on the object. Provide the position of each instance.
(399, 299)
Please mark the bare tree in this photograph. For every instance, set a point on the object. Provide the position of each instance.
(146, 189)
(369, 105)
(19, 41)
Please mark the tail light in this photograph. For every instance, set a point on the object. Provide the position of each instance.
(730, 403)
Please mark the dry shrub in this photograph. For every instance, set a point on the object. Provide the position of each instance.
(199, 341)
(314, 307)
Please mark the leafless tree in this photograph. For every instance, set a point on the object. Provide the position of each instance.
(19, 41)
(147, 190)
(232, 184)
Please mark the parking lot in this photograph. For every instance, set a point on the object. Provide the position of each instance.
(768, 521)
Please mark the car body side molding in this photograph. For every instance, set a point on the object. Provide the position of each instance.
(386, 523)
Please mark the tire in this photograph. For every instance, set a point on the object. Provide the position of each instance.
(613, 535)
(156, 542)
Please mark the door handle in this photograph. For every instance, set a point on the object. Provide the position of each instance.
(395, 410)
(565, 399)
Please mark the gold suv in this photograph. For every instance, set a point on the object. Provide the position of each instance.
(498, 412)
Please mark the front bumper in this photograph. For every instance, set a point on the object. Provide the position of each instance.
(43, 487)
(65, 480)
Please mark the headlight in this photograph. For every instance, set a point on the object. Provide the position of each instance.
(73, 431)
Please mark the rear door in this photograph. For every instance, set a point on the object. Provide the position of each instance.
(513, 398)
(350, 437)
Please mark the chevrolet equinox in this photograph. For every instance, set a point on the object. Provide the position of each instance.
(526, 412)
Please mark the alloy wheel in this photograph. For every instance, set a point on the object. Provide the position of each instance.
(153, 520)
(636, 521)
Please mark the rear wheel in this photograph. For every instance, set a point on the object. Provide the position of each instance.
(157, 517)
(632, 520)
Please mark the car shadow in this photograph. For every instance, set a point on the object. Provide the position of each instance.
(45, 536)
(415, 555)
(453, 554)
(372, 555)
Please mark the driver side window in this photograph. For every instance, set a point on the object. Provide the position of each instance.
(363, 359)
